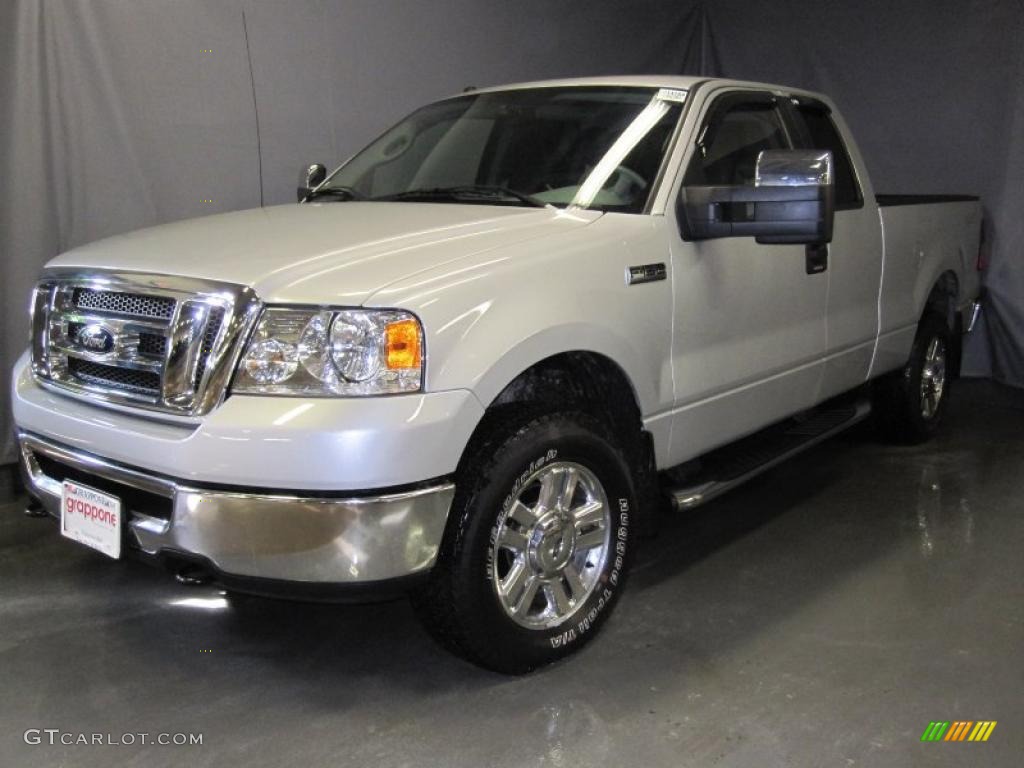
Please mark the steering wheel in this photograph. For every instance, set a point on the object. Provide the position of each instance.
(625, 183)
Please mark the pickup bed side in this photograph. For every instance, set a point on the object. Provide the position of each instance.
(931, 247)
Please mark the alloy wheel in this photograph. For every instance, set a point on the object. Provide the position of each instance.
(551, 545)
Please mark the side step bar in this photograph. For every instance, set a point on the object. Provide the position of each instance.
(731, 466)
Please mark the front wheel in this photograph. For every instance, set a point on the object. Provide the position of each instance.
(537, 546)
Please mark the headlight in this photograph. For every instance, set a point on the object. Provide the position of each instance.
(332, 352)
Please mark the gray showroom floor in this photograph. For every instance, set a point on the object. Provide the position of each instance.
(821, 616)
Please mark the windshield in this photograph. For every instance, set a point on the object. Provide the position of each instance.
(591, 147)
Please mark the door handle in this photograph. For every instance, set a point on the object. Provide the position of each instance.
(817, 258)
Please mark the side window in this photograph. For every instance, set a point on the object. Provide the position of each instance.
(731, 140)
(823, 135)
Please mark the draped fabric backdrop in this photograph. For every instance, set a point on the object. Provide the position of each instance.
(118, 115)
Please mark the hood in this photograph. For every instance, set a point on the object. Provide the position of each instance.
(326, 253)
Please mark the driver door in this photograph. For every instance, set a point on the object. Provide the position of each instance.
(748, 336)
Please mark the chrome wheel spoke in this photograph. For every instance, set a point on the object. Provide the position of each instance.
(512, 585)
(529, 592)
(522, 514)
(558, 598)
(519, 588)
(512, 540)
(549, 492)
(591, 513)
(590, 539)
(570, 479)
(576, 586)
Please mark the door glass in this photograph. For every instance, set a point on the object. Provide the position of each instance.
(823, 135)
(727, 153)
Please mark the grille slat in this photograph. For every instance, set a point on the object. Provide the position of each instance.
(138, 305)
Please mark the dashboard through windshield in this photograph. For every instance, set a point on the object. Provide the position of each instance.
(597, 147)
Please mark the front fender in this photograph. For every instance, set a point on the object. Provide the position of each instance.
(547, 342)
(500, 312)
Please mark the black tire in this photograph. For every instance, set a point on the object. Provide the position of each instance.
(899, 399)
(460, 605)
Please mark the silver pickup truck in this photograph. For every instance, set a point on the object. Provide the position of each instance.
(473, 360)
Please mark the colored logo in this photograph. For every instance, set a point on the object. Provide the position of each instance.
(95, 338)
(958, 730)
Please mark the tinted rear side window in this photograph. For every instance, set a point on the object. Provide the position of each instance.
(823, 135)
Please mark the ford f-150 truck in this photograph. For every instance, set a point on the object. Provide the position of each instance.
(474, 359)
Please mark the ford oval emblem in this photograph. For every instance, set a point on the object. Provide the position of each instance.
(95, 338)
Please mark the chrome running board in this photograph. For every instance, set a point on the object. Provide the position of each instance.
(734, 465)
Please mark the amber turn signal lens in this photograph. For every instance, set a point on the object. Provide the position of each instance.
(402, 345)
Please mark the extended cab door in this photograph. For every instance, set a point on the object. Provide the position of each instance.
(749, 320)
(854, 255)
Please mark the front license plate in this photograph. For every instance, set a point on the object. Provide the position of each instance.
(91, 517)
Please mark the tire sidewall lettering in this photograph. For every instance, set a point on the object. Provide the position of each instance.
(584, 624)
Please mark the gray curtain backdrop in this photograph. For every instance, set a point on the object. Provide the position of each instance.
(116, 115)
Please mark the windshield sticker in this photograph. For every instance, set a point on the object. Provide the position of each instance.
(671, 94)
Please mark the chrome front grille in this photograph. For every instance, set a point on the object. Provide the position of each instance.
(153, 341)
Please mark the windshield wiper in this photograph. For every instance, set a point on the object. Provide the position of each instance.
(464, 192)
(340, 194)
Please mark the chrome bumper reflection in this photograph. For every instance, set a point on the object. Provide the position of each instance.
(286, 537)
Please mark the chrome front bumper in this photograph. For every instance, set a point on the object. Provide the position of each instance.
(316, 538)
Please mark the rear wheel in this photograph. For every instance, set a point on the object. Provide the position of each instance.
(909, 403)
(537, 546)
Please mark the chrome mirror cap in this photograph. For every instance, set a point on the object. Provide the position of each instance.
(793, 168)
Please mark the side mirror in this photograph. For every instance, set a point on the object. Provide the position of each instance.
(792, 200)
(310, 177)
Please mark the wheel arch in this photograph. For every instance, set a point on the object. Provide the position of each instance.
(944, 297)
(592, 383)
(943, 300)
(583, 379)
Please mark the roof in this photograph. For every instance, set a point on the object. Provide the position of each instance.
(682, 82)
